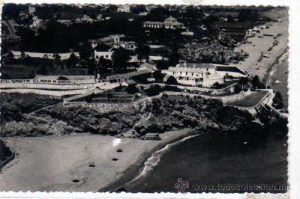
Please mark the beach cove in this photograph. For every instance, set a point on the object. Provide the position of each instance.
(77, 162)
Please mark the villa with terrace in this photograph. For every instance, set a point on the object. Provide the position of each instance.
(203, 75)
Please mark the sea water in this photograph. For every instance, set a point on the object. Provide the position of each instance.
(216, 162)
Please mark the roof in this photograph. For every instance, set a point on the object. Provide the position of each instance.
(154, 22)
(102, 47)
(127, 75)
(70, 77)
(41, 54)
(234, 24)
(147, 66)
(156, 46)
(196, 65)
(190, 70)
(171, 23)
(170, 19)
(110, 37)
(230, 69)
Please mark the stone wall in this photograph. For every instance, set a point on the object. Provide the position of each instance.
(102, 107)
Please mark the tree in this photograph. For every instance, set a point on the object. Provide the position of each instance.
(102, 65)
(248, 15)
(217, 85)
(142, 79)
(172, 80)
(42, 70)
(153, 90)
(10, 55)
(243, 82)
(174, 58)
(158, 76)
(132, 89)
(120, 57)
(23, 56)
(229, 18)
(91, 67)
(57, 59)
(257, 84)
(277, 101)
(143, 52)
(72, 61)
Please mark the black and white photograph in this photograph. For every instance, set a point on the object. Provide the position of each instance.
(144, 98)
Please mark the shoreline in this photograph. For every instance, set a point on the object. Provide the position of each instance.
(268, 76)
(132, 173)
(261, 44)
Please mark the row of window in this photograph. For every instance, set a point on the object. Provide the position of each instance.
(103, 56)
(193, 79)
(191, 73)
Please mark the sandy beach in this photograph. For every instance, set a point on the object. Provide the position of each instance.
(76, 162)
(262, 43)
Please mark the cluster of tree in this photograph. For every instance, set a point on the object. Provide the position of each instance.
(277, 101)
(256, 83)
(15, 105)
(12, 11)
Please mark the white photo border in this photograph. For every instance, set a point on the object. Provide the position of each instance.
(294, 97)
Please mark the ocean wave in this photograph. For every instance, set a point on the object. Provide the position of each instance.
(154, 159)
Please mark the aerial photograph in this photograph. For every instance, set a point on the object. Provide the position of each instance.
(144, 98)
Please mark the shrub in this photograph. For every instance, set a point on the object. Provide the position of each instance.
(172, 80)
(277, 101)
(153, 90)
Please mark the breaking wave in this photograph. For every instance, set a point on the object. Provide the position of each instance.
(154, 159)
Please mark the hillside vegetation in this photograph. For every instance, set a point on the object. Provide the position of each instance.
(155, 116)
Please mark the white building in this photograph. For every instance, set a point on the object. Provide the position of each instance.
(31, 9)
(128, 45)
(111, 39)
(103, 54)
(84, 19)
(64, 79)
(143, 13)
(172, 23)
(169, 23)
(67, 22)
(187, 33)
(38, 23)
(124, 8)
(194, 74)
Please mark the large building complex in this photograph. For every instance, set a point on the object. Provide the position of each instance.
(194, 74)
(204, 74)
